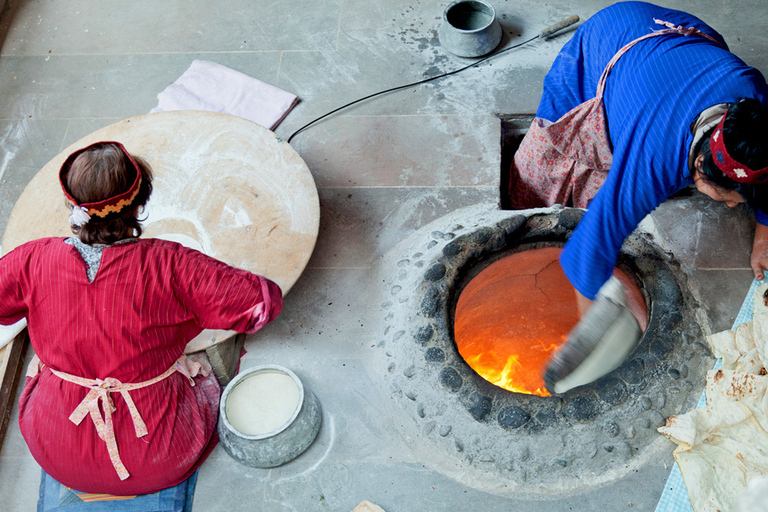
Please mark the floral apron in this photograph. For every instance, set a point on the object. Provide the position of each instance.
(566, 162)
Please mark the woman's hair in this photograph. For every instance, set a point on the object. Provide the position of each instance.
(745, 134)
(99, 173)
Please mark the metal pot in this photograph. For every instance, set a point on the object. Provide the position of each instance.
(469, 28)
(281, 445)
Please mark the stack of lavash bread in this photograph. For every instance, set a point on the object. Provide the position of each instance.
(723, 447)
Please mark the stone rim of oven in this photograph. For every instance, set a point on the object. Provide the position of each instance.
(531, 443)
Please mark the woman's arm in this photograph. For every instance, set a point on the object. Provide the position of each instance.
(759, 259)
(12, 306)
(222, 297)
(632, 298)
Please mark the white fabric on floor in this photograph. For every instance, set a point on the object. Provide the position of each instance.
(216, 88)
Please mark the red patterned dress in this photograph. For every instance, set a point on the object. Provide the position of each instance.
(129, 325)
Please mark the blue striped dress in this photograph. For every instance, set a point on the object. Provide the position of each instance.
(653, 95)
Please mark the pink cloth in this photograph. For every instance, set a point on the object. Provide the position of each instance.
(148, 299)
(211, 86)
(544, 174)
(99, 405)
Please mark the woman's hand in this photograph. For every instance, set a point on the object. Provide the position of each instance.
(759, 259)
(633, 298)
(582, 302)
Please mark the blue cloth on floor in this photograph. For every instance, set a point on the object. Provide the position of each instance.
(674, 498)
(55, 497)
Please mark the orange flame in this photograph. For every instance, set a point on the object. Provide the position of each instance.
(506, 377)
(512, 316)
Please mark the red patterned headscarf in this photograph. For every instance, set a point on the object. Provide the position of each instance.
(736, 171)
(110, 207)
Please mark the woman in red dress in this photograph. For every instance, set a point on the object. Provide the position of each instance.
(113, 406)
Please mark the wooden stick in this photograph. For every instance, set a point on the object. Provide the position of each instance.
(10, 374)
(557, 27)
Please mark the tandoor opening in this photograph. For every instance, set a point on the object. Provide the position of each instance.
(516, 312)
(512, 315)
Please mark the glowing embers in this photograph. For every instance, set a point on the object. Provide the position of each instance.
(512, 315)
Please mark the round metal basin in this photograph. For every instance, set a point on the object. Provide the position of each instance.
(469, 28)
(280, 445)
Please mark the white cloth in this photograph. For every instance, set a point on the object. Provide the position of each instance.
(8, 332)
(213, 87)
(706, 121)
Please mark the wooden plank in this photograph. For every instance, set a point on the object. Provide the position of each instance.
(10, 374)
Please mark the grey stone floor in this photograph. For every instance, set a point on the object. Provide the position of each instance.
(383, 169)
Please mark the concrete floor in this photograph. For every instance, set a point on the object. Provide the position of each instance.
(383, 169)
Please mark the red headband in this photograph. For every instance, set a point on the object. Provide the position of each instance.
(730, 167)
(112, 205)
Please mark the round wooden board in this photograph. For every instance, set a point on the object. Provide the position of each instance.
(222, 184)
